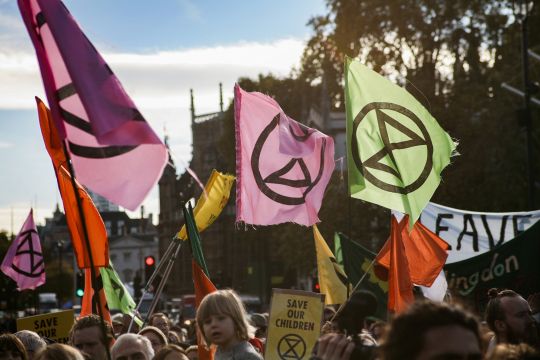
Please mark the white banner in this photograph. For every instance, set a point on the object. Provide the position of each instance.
(471, 233)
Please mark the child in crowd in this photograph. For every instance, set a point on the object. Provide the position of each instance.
(222, 319)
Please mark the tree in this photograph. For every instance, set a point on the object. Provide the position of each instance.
(452, 56)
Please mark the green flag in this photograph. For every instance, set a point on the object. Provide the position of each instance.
(396, 150)
(117, 295)
(338, 254)
(194, 239)
(356, 261)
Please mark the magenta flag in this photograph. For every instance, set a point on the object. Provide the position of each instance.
(114, 151)
(282, 166)
(24, 260)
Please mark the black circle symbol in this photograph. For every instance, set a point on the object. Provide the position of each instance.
(373, 162)
(291, 346)
(277, 176)
(36, 266)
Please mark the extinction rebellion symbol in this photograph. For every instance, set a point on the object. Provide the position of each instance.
(367, 166)
(277, 177)
(292, 347)
(35, 265)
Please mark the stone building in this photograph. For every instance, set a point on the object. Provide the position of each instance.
(130, 240)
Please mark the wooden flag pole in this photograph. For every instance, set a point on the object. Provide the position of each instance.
(88, 247)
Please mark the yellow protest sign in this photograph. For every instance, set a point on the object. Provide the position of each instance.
(294, 325)
(54, 326)
(208, 208)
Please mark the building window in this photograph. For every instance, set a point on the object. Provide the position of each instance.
(120, 228)
(127, 256)
(113, 257)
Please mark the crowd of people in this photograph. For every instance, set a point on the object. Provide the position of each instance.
(426, 330)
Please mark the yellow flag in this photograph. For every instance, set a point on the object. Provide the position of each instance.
(208, 208)
(332, 278)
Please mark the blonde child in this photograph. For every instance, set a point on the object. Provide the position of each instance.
(223, 321)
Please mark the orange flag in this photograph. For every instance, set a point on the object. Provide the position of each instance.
(88, 304)
(409, 258)
(203, 286)
(94, 224)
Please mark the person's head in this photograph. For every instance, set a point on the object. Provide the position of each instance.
(222, 319)
(32, 342)
(328, 313)
(118, 324)
(156, 337)
(86, 335)
(514, 352)
(352, 316)
(509, 316)
(11, 348)
(261, 325)
(192, 352)
(377, 329)
(181, 332)
(161, 321)
(59, 352)
(429, 330)
(132, 347)
(174, 338)
(126, 321)
(171, 352)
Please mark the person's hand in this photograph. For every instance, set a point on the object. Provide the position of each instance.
(334, 346)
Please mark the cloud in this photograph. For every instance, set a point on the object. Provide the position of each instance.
(10, 22)
(5, 145)
(13, 35)
(161, 79)
(158, 82)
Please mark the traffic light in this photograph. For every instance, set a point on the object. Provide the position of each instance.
(315, 286)
(79, 284)
(149, 267)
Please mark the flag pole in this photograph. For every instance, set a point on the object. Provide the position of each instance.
(354, 289)
(349, 225)
(171, 251)
(96, 298)
(163, 281)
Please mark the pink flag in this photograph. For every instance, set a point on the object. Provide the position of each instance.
(24, 260)
(282, 166)
(114, 151)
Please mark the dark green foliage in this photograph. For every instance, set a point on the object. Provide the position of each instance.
(452, 56)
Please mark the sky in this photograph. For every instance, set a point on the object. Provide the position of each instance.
(159, 50)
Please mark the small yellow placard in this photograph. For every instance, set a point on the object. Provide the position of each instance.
(54, 326)
(294, 325)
